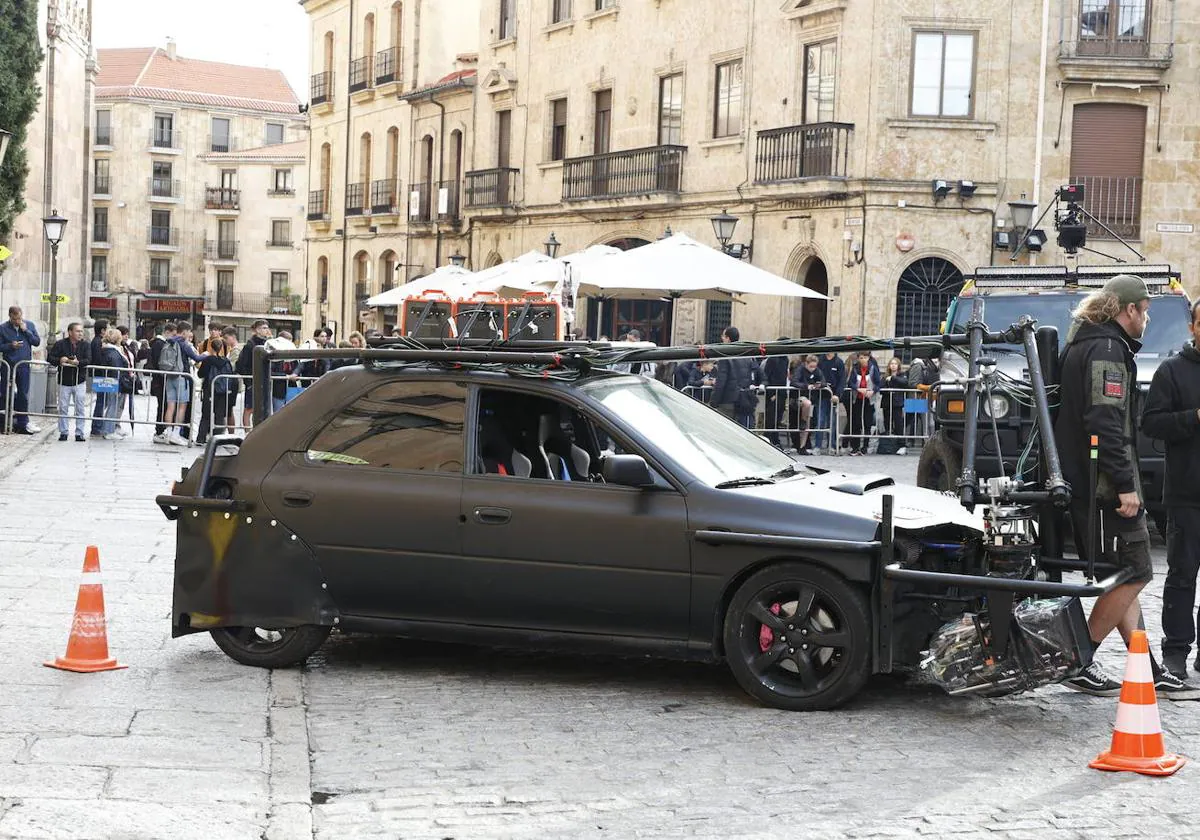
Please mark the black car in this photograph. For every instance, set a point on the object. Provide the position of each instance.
(599, 511)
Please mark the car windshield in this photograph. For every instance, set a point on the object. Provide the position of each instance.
(1168, 330)
(709, 446)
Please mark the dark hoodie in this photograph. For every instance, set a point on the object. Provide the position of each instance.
(1172, 414)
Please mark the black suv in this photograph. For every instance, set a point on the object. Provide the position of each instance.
(1049, 294)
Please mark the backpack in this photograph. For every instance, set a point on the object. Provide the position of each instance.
(171, 357)
(220, 367)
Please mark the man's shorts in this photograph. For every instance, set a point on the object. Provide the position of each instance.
(178, 389)
(1126, 542)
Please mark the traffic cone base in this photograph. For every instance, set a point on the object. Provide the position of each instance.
(1137, 741)
(87, 647)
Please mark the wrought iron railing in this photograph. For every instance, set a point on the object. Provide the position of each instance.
(100, 233)
(1115, 201)
(102, 185)
(280, 242)
(419, 207)
(162, 283)
(221, 144)
(360, 73)
(165, 138)
(221, 249)
(257, 304)
(654, 169)
(320, 87)
(362, 291)
(492, 187)
(816, 150)
(318, 205)
(165, 188)
(385, 196)
(356, 199)
(388, 65)
(222, 198)
(1117, 29)
(104, 136)
(449, 200)
(159, 235)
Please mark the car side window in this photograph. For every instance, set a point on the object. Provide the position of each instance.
(412, 426)
(529, 436)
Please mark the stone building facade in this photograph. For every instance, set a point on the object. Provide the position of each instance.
(57, 149)
(869, 150)
(194, 170)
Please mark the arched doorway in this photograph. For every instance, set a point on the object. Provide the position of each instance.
(614, 318)
(923, 295)
(814, 313)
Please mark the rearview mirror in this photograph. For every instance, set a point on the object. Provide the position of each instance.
(626, 470)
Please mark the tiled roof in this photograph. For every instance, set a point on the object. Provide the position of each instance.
(459, 78)
(150, 73)
(297, 149)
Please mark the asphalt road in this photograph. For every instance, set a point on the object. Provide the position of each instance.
(386, 738)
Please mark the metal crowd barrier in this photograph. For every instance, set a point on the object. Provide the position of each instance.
(915, 418)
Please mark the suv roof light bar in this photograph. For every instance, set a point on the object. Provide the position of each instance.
(1021, 271)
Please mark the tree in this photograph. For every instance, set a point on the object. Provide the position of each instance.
(20, 61)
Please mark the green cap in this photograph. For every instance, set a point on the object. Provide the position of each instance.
(1128, 289)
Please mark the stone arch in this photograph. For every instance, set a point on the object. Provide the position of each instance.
(493, 259)
(808, 265)
(628, 233)
(924, 288)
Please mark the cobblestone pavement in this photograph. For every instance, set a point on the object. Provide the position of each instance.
(386, 738)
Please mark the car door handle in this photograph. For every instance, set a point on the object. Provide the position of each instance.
(492, 515)
(297, 498)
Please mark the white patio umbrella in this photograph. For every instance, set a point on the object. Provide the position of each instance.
(454, 281)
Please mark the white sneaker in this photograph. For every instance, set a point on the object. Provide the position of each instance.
(33, 428)
(112, 436)
(903, 450)
(177, 440)
(160, 438)
(122, 433)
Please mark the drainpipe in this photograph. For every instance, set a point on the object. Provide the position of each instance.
(346, 175)
(85, 216)
(48, 146)
(1041, 114)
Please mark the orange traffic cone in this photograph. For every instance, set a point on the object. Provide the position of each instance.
(1137, 742)
(87, 647)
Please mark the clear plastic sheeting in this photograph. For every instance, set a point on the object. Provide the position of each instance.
(1048, 644)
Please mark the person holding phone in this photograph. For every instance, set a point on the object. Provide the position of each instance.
(17, 340)
(71, 355)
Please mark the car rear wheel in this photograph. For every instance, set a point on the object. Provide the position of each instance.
(267, 648)
(940, 466)
(798, 637)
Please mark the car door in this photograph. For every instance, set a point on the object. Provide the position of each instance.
(575, 556)
(376, 493)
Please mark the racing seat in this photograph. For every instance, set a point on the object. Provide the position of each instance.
(497, 455)
(568, 461)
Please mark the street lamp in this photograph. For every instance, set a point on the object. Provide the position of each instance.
(666, 234)
(552, 245)
(54, 225)
(457, 260)
(1021, 211)
(5, 137)
(723, 227)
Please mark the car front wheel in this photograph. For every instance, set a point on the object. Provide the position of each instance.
(798, 638)
(265, 648)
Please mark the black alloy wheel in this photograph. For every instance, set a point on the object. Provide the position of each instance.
(270, 648)
(797, 637)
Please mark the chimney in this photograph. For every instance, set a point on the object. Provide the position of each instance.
(171, 48)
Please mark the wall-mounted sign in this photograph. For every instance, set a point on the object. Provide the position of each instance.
(1175, 227)
(854, 222)
(905, 242)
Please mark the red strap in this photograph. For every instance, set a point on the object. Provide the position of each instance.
(500, 469)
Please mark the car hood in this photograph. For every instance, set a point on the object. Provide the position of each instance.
(915, 508)
(1012, 362)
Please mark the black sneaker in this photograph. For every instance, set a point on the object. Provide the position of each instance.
(1176, 663)
(79, 437)
(1172, 688)
(1092, 680)
(62, 436)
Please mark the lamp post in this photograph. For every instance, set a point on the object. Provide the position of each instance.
(723, 227)
(457, 260)
(54, 226)
(552, 245)
(666, 234)
(5, 137)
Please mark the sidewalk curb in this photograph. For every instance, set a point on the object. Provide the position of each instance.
(15, 449)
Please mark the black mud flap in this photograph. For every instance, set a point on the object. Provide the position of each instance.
(238, 569)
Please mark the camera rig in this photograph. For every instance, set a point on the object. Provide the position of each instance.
(1071, 220)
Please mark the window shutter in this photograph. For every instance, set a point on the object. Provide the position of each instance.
(1108, 139)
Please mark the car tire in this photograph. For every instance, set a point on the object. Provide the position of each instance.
(263, 648)
(941, 464)
(816, 605)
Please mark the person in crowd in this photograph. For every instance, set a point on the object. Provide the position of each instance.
(113, 360)
(233, 349)
(99, 328)
(214, 339)
(891, 405)
(810, 393)
(646, 369)
(1096, 397)
(175, 360)
(129, 382)
(834, 370)
(774, 376)
(733, 387)
(701, 381)
(216, 386)
(314, 369)
(862, 384)
(260, 332)
(154, 352)
(1172, 414)
(71, 355)
(681, 376)
(18, 337)
(354, 340)
(284, 375)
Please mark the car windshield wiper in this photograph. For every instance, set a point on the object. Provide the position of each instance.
(787, 472)
(745, 481)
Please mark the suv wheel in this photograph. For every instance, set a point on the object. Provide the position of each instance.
(941, 464)
(264, 648)
(798, 638)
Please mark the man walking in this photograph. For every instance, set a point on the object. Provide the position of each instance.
(1099, 379)
(71, 355)
(1172, 415)
(17, 340)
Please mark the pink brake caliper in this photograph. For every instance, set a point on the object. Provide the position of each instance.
(766, 636)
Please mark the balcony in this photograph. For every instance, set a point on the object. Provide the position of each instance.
(222, 198)
(165, 189)
(492, 188)
(816, 150)
(274, 192)
(166, 139)
(162, 284)
(221, 144)
(449, 200)
(318, 206)
(356, 199)
(388, 66)
(320, 88)
(419, 206)
(104, 137)
(385, 197)
(222, 250)
(1115, 201)
(279, 243)
(227, 300)
(162, 237)
(1116, 40)
(101, 186)
(654, 169)
(360, 74)
(100, 235)
(362, 291)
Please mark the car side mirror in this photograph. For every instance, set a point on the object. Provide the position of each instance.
(626, 470)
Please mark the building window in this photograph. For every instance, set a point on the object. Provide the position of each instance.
(558, 129)
(160, 275)
(160, 227)
(670, 110)
(1108, 142)
(323, 277)
(560, 11)
(601, 5)
(100, 273)
(100, 224)
(943, 74)
(1114, 27)
(820, 75)
(164, 131)
(508, 19)
(160, 182)
(101, 184)
(224, 290)
(219, 142)
(283, 182)
(717, 316)
(727, 103)
(503, 138)
(274, 134)
(281, 232)
(104, 128)
(602, 122)
(279, 284)
(409, 426)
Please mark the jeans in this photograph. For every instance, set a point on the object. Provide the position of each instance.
(20, 396)
(826, 419)
(111, 412)
(66, 395)
(1180, 621)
